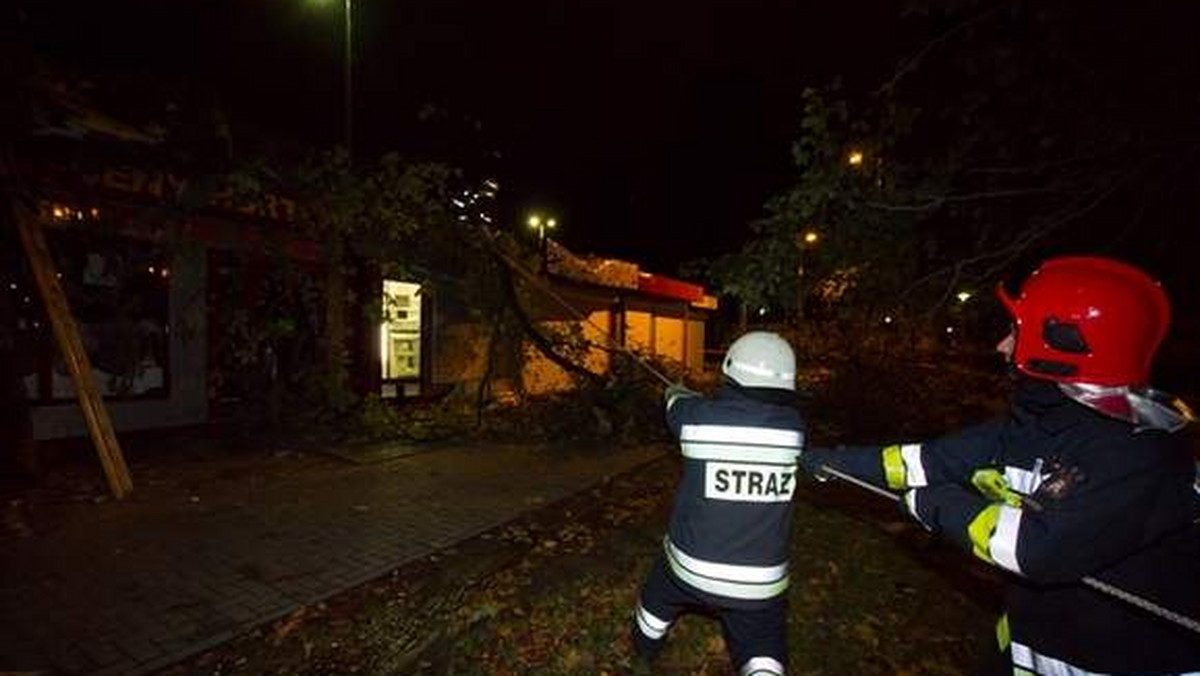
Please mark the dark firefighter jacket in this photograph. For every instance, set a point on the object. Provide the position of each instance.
(1056, 492)
(731, 523)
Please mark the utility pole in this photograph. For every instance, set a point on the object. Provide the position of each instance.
(803, 243)
(348, 98)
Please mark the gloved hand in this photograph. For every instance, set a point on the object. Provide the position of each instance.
(926, 505)
(677, 391)
(813, 459)
(912, 505)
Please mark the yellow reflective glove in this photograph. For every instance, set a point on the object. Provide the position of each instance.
(992, 484)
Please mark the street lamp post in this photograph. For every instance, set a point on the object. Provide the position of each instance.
(347, 74)
(540, 224)
(804, 243)
(348, 93)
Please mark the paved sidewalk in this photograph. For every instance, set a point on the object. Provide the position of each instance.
(126, 588)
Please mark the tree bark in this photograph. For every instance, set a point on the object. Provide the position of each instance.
(335, 328)
(485, 380)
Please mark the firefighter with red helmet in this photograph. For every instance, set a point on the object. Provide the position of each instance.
(1087, 476)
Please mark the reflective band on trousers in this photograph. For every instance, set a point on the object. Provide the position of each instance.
(761, 666)
(750, 583)
(1026, 658)
(650, 624)
(732, 443)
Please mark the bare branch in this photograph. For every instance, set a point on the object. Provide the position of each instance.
(914, 60)
(1004, 256)
(966, 197)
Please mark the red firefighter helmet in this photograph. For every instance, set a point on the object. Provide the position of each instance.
(1088, 320)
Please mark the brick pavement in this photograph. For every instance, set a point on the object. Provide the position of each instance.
(127, 588)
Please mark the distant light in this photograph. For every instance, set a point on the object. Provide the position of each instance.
(551, 223)
(855, 158)
(949, 329)
(811, 237)
(95, 212)
(13, 286)
(59, 212)
(458, 203)
(165, 273)
(150, 269)
(963, 296)
(887, 319)
(762, 311)
(535, 222)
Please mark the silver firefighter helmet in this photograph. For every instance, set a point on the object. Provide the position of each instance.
(761, 359)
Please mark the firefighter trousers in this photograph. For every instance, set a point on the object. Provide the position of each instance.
(756, 638)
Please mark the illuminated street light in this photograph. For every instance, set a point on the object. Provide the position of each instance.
(855, 159)
(537, 223)
(963, 296)
(803, 242)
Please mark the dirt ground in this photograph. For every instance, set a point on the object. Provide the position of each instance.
(553, 592)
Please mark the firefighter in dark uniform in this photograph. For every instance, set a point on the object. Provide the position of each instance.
(726, 550)
(1086, 476)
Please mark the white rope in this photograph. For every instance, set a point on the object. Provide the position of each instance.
(860, 483)
(1099, 585)
(1143, 603)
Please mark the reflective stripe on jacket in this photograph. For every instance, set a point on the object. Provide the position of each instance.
(731, 522)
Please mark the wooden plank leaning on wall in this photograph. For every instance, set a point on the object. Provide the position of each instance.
(33, 240)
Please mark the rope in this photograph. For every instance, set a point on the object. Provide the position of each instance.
(1143, 603)
(534, 280)
(860, 483)
(1099, 585)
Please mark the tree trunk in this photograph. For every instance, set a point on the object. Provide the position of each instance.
(485, 380)
(535, 336)
(336, 358)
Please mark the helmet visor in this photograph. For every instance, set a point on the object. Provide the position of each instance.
(1006, 300)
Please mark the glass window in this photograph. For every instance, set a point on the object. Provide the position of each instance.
(117, 289)
(400, 331)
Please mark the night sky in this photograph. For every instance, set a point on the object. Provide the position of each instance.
(655, 131)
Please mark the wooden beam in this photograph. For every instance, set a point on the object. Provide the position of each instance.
(33, 240)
